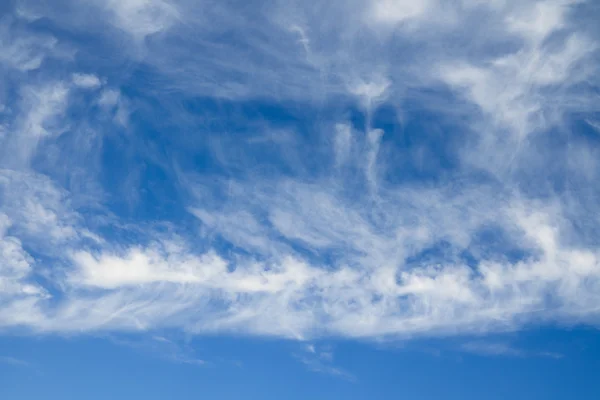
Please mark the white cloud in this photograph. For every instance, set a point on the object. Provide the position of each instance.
(114, 102)
(86, 81)
(174, 265)
(340, 249)
(167, 349)
(109, 98)
(14, 361)
(44, 105)
(319, 359)
(40, 110)
(504, 349)
(370, 92)
(368, 292)
(509, 89)
(39, 209)
(15, 288)
(537, 20)
(393, 11)
(22, 50)
(141, 18)
(16, 263)
(140, 267)
(342, 143)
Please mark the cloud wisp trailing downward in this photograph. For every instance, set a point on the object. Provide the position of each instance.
(348, 169)
(320, 360)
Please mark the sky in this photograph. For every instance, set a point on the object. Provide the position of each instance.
(298, 199)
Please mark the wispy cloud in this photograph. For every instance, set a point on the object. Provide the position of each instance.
(368, 169)
(487, 348)
(172, 350)
(14, 361)
(320, 359)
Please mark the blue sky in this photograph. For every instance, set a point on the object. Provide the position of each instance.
(322, 199)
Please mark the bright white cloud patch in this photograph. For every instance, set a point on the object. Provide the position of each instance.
(399, 10)
(369, 169)
(86, 81)
(143, 17)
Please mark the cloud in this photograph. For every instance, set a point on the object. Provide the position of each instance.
(141, 18)
(320, 360)
(362, 296)
(171, 350)
(14, 361)
(16, 264)
(86, 81)
(22, 50)
(510, 88)
(367, 170)
(399, 10)
(504, 349)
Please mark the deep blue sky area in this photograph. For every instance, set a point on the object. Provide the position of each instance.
(290, 199)
(102, 368)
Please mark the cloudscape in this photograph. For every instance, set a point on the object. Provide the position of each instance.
(315, 173)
